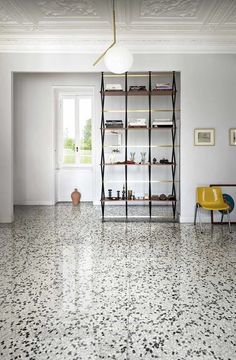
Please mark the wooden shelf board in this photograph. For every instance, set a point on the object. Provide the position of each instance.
(138, 128)
(138, 146)
(115, 164)
(138, 200)
(159, 164)
(119, 111)
(136, 164)
(160, 92)
(140, 74)
(138, 93)
(113, 92)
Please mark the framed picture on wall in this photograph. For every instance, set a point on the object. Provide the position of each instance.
(204, 137)
(232, 137)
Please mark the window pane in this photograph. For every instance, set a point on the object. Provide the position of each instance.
(85, 117)
(69, 131)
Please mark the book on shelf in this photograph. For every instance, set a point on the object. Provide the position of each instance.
(163, 86)
(162, 123)
(137, 123)
(120, 126)
(113, 87)
(137, 88)
(114, 124)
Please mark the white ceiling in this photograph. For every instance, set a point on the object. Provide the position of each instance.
(152, 26)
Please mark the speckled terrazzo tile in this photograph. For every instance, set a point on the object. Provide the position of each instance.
(75, 288)
(178, 311)
(55, 348)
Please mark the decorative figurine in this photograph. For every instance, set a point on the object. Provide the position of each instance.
(143, 157)
(133, 196)
(109, 193)
(164, 161)
(112, 158)
(129, 194)
(132, 156)
(163, 197)
(123, 193)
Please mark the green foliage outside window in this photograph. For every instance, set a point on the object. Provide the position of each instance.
(86, 142)
(69, 144)
(85, 146)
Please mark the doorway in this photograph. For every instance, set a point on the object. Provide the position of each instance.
(74, 151)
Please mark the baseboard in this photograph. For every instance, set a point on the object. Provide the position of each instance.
(6, 219)
(70, 202)
(188, 220)
(32, 202)
(184, 219)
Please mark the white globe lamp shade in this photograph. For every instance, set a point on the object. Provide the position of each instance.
(118, 59)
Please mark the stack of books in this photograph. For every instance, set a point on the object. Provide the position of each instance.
(163, 86)
(138, 88)
(114, 124)
(113, 87)
(157, 123)
(137, 123)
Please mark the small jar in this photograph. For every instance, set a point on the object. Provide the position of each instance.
(75, 197)
(129, 194)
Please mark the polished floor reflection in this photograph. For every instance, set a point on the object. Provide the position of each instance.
(74, 288)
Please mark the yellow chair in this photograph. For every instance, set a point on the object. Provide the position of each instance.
(210, 198)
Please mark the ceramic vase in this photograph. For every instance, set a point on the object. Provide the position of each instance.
(75, 197)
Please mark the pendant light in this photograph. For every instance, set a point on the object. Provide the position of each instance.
(118, 59)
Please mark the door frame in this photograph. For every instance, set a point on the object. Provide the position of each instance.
(57, 91)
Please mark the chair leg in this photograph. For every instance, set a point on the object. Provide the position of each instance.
(195, 214)
(229, 221)
(200, 220)
(222, 216)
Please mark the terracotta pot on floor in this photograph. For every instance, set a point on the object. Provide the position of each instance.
(75, 196)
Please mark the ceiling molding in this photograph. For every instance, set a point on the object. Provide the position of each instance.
(171, 8)
(189, 44)
(64, 8)
(145, 26)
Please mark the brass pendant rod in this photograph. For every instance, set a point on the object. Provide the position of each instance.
(114, 35)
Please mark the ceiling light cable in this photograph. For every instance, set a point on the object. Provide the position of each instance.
(114, 34)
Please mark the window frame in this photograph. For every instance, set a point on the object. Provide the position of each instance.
(77, 94)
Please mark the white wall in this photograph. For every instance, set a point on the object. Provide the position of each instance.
(208, 89)
(35, 131)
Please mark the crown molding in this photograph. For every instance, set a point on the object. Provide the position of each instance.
(173, 43)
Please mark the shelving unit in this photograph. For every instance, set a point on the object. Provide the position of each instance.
(150, 199)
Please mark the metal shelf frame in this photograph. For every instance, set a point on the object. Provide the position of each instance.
(149, 128)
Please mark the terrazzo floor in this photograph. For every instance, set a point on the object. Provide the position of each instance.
(74, 288)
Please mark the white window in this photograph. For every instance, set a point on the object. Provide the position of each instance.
(75, 130)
